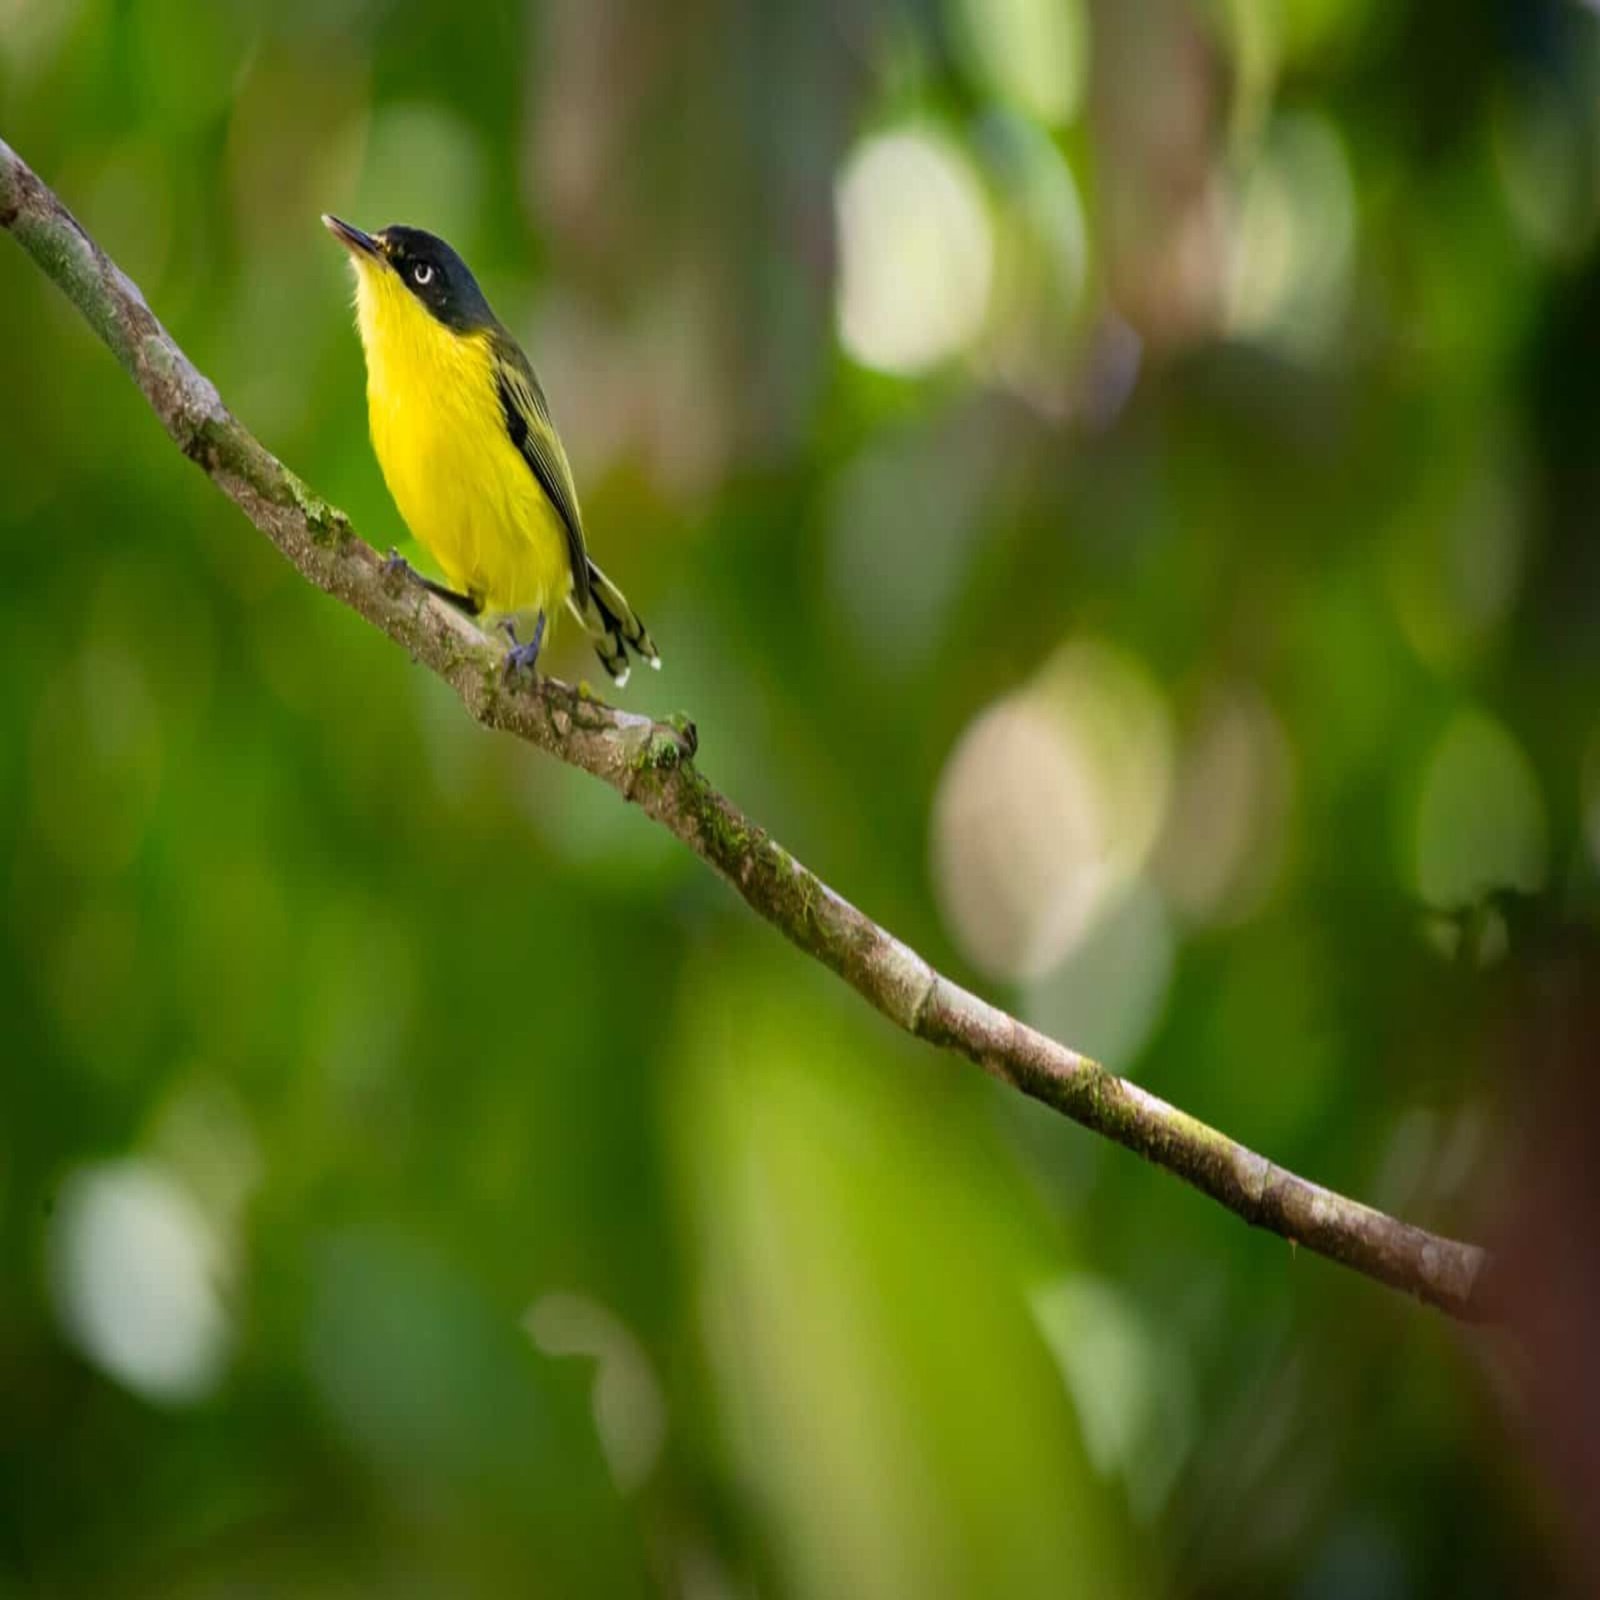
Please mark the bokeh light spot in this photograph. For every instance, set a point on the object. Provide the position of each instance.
(1546, 160)
(1294, 239)
(1049, 802)
(1042, 255)
(630, 1414)
(1225, 842)
(1013, 832)
(1032, 53)
(136, 1267)
(916, 255)
(1114, 715)
(1480, 821)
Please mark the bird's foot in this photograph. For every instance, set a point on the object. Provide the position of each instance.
(396, 566)
(521, 659)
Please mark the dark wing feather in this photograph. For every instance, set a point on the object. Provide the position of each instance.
(528, 422)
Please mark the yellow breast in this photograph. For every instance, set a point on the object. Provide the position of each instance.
(464, 489)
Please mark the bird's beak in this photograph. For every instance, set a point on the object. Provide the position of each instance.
(353, 239)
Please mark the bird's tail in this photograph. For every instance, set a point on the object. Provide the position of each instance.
(613, 626)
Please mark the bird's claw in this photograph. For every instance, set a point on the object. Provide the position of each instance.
(521, 659)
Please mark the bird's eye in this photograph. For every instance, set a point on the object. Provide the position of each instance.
(422, 274)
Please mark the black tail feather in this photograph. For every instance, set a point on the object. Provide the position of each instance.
(615, 628)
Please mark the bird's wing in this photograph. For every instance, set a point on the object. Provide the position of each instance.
(528, 422)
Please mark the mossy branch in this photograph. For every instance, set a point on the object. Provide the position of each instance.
(652, 764)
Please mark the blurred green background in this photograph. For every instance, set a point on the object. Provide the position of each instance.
(1114, 485)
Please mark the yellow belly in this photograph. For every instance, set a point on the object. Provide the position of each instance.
(464, 489)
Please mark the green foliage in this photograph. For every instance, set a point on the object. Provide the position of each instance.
(415, 1171)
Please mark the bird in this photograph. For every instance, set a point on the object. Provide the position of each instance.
(469, 451)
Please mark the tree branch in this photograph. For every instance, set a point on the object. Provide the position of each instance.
(652, 764)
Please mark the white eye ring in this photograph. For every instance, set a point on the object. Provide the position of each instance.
(422, 274)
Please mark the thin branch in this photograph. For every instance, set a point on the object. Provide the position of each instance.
(652, 764)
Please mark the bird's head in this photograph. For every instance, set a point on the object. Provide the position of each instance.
(401, 271)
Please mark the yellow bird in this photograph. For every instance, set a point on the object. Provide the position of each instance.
(469, 452)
